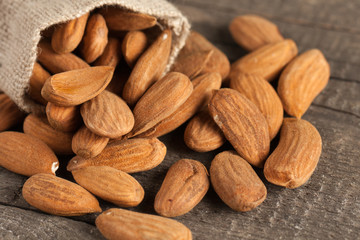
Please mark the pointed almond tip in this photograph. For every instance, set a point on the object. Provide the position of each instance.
(73, 164)
(98, 209)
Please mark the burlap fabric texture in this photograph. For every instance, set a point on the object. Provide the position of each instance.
(22, 21)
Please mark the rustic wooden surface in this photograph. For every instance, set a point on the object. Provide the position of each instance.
(327, 207)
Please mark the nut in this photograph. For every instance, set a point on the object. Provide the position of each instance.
(302, 80)
(252, 32)
(236, 182)
(139, 226)
(58, 196)
(26, 155)
(132, 155)
(295, 158)
(242, 124)
(185, 184)
(266, 61)
(110, 184)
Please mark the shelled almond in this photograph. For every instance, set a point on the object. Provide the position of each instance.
(185, 184)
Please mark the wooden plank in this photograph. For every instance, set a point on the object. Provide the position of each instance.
(335, 15)
(21, 224)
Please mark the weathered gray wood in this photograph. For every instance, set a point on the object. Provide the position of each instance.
(21, 224)
(327, 207)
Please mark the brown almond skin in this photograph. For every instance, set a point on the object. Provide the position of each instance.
(148, 68)
(65, 119)
(10, 114)
(202, 134)
(242, 124)
(297, 155)
(133, 45)
(185, 184)
(236, 182)
(263, 95)
(128, 225)
(132, 155)
(87, 144)
(160, 101)
(78, 86)
(37, 80)
(110, 184)
(26, 155)
(58, 196)
(57, 63)
(67, 36)
(302, 80)
(39, 127)
(218, 61)
(252, 32)
(121, 20)
(107, 115)
(199, 98)
(111, 55)
(192, 64)
(266, 61)
(95, 38)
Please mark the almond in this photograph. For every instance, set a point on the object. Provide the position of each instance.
(302, 80)
(87, 144)
(160, 101)
(127, 225)
(242, 124)
(58, 196)
(199, 98)
(78, 86)
(148, 69)
(26, 155)
(295, 158)
(67, 36)
(132, 155)
(57, 63)
(111, 55)
(65, 119)
(110, 184)
(236, 182)
(37, 80)
(263, 95)
(133, 46)
(122, 20)
(185, 184)
(10, 114)
(252, 32)
(107, 115)
(218, 61)
(39, 127)
(95, 38)
(202, 134)
(266, 61)
(191, 64)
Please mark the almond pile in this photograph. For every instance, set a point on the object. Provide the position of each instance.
(101, 78)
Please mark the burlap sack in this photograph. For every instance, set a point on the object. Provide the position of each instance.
(22, 21)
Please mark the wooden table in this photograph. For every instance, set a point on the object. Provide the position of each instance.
(327, 207)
